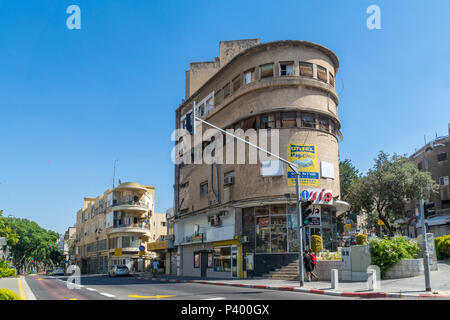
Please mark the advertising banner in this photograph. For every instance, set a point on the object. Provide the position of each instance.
(305, 156)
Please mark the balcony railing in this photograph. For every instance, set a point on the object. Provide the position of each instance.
(139, 203)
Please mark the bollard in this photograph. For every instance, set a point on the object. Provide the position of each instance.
(334, 279)
(372, 283)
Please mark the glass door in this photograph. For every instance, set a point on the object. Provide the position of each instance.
(234, 262)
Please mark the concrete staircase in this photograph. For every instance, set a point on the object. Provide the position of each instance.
(288, 272)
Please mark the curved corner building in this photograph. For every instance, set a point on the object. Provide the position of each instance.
(238, 220)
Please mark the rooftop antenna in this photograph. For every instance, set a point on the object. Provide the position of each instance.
(424, 139)
(114, 175)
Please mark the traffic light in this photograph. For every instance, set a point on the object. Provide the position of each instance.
(306, 211)
(428, 209)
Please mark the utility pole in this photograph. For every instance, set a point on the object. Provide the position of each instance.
(292, 165)
(426, 254)
(114, 174)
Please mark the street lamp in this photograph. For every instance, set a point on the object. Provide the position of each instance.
(293, 166)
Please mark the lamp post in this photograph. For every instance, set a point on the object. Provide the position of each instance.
(292, 165)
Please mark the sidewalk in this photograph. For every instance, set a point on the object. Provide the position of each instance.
(394, 288)
(19, 286)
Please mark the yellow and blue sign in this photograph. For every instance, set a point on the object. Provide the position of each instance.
(305, 156)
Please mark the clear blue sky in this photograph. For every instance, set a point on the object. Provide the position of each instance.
(73, 101)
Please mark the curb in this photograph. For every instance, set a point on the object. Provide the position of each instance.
(367, 295)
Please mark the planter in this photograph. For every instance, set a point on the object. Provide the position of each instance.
(406, 268)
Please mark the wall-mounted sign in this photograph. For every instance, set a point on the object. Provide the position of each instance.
(318, 196)
(263, 222)
(305, 156)
(197, 239)
(118, 252)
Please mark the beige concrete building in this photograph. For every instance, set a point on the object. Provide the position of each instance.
(433, 157)
(111, 228)
(233, 220)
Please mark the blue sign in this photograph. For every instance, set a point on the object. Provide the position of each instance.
(305, 194)
(141, 248)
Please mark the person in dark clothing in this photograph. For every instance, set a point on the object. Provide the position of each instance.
(307, 263)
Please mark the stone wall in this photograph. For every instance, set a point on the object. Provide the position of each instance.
(406, 268)
(323, 269)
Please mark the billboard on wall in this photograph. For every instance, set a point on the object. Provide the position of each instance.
(305, 156)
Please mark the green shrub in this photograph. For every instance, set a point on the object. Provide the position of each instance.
(6, 294)
(330, 255)
(316, 243)
(4, 263)
(442, 247)
(385, 252)
(7, 272)
(361, 239)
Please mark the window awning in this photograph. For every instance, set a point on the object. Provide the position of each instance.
(435, 221)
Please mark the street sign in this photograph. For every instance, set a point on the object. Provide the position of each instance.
(380, 222)
(305, 194)
(118, 251)
(348, 226)
(142, 253)
(141, 248)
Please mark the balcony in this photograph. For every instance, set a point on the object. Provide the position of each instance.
(138, 228)
(131, 205)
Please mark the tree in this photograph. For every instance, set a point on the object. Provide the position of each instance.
(5, 231)
(347, 174)
(387, 187)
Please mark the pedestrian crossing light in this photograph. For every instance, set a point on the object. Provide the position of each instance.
(428, 209)
(306, 211)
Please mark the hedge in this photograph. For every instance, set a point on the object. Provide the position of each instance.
(316, 243)
(442, 247)
(7, 272)
(385, 252)
(6, 294)
(361, 239)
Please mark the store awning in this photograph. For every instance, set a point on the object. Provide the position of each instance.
(435, 221)
(341, 206)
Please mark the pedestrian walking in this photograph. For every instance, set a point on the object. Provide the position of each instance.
(313, 264)
(155, 267)
(307, 263)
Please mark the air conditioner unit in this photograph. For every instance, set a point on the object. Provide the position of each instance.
(228, 180)
(243, 239)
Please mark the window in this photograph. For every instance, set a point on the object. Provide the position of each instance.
(323, 123)
(204, 188)
(218, 97)
(226, 90)
(286, 68)
(266, 70)
(306, 69)
(267, 122)
(331, 79)
(333, 127)
(308, 120)
(426, 164)
(222, 259)
(322, 73)
(125, 242)
(228, 178)
(288, 120)
(201, 110)
(443, 181)
(441, 156)
(237, 83)
(419, 166)
(163, 224)
(248, 76)
(196, 259)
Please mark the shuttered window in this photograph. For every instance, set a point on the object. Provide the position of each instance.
(237, 83)
(226, 90)
(288, 120)
(322, 73)
(266, 70)
(306, 69)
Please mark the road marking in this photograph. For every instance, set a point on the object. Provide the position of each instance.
(107, 294)
(39, 279)
(73, 299)
(91, 289)
(216, 298)
(22, 292)
(149, 297)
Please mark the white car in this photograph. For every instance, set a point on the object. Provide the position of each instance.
(59, 271)
(118, 270)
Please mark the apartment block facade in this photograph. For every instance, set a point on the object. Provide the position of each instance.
(112, 229)
(235, 219)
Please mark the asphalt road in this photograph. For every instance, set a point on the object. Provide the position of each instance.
(126, 288)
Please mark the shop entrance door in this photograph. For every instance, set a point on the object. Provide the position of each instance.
(203, 263)
(234, 262)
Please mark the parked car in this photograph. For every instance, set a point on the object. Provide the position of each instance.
(49, 272)
(118, 270)
(59, 271)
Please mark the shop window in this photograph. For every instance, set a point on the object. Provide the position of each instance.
(308, 120)
(222, 259)
(278, 234)
(266, 70)
(306, 69)
(267, 122)
(288, 120)
(218, 97)
(237, 83)
(441, 156)
(331, 79)
(278, 209)
(323, 123)
(210, 259)
(196, 259)
(226, 90)
(286, 68)
(248, 77)
(204, 188)
(322, 73)
(262, 234)
(262, 211)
